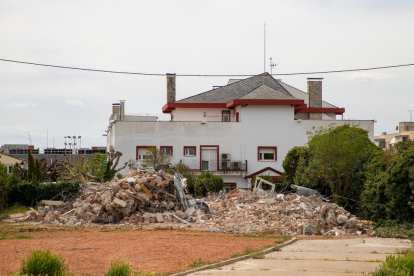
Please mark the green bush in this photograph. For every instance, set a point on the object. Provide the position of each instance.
(40, 263)
(398, 265)
(4, 187)
(207, 182)
(333, 164)
(119, 269)
(27, 194)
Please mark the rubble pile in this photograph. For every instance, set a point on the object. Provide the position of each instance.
(153, 198)
(145, 196)
(244, 211)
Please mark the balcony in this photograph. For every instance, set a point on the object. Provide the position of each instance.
(226, 167)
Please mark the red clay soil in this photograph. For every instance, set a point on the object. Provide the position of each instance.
(90, 251)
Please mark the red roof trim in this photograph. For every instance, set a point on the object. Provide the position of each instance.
(336, 110)
(263, 170)
(171, 106)
(234, 103)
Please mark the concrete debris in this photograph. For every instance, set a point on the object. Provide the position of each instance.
(149, 197)
(291, 214)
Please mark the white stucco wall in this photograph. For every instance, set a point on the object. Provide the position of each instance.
(272, 126)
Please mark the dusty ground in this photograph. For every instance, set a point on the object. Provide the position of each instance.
(91, 250)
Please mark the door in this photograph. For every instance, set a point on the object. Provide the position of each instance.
(209, 158)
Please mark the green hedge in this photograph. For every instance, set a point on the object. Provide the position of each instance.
(28, 194)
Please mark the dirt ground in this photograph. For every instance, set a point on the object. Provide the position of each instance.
(90, 250)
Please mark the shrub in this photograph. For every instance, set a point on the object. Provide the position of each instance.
(397, 265)
(43, 263)
(207, 182)
(4, 187)
(26, 193)
(119, 269)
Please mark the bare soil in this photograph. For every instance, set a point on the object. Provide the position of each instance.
(90, 250)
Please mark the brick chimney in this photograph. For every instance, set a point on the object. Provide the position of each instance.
(315, 96)
(170, 88)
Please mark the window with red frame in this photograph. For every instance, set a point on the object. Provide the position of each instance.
(167, 150)
(190, 151)
(266, 153)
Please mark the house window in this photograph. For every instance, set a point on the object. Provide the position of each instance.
(225, 115)
(167, 150)
(266, 153)
(237, 117)
(9, 169)
(381, 143)
(143, 152)
(189, 151)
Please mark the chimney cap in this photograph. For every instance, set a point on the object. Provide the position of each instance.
(170, 74)
(315, 78)
(116, 104)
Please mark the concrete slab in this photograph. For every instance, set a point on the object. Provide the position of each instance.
(355, 256)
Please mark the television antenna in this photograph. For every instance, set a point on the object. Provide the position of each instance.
(272, 64)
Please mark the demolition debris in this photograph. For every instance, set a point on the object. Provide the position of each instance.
(149, 197)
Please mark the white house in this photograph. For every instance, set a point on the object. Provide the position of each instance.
(239, 130)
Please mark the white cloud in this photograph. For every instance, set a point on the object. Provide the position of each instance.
(75, 103)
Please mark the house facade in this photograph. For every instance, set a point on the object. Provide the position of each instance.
(10, 161)
(388, 140)
(236, 131)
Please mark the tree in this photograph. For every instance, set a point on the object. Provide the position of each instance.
(373, 198)
(400, 187)
(333, 163)
(31, 167)
(295, 158)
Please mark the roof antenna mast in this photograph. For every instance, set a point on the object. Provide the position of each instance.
(272, 64)
(264, 47)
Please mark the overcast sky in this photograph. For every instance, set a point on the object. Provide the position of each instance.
(197, 37)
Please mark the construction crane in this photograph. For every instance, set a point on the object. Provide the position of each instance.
(30, 139)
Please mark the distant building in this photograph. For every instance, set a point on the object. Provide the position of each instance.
(405, 132)
(18, 149)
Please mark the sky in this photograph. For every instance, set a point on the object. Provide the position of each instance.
(193, 37)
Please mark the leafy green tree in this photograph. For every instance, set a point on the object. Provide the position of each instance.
(400, 187)
(373, 198)
(296, 158)
(333, 163)
(97, 166)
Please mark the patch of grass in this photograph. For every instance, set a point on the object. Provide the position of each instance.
(247, 251)
(259, 256)
(392, 230)
(119, 268)
(13, 235)
(198, 263)
(4, 214)
(44, 263)
(397, 265)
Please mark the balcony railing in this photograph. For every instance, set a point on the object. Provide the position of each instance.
(223, 168)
